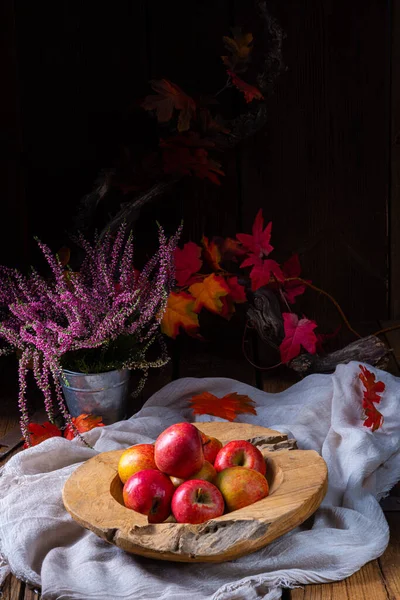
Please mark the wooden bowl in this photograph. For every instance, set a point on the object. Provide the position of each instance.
(298, 483)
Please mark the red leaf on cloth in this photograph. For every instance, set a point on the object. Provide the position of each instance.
(371, 396)
(187, 262)
(180, 313)
(211, 253)
(227, 407)
(250, 92)
(297, 334)
(169, 96)
(257, 244)
(261, 272)
(208, 293)
(83, 423)
(291, 289)
(237, 291)
(39, 433)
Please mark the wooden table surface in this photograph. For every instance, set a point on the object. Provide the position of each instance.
(378, 580)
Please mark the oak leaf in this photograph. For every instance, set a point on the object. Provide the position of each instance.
(298, 333)
(180, 313)
(250, 92)
(168, 97)
(228, 407)
(211, 253)
(208, 293)
(83, 423)
(187, 262)
(38, 433)
(371, 396)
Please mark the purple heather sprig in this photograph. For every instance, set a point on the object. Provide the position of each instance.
(45, 318)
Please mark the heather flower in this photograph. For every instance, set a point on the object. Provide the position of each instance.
(103, 317)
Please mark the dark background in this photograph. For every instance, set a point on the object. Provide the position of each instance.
(322, 169)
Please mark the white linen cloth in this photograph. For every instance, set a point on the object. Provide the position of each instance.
(42, 544)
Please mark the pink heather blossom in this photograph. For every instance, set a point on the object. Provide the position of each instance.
(46, 318)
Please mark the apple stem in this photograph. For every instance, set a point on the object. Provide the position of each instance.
(155, 505)
(199, 494)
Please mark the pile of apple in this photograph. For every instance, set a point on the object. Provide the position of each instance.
(191, 475)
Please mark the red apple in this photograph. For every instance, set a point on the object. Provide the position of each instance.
(211, 447)
(149, 492)
(134, 459)
(240, 453)
(240, 487)
(206, 473)
(178, 450)
(196, 501)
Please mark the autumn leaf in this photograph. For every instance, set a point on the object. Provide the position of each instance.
(187, 262)
(297, 334)
(239, 48)
(250, 92)
(64, 255)
(258, 243)
(180, 313)
(39, 433)
(168, 97)
(208, 293)
(262, 272)
(228, 307)
(183, 160)
(232, 249)
(236, 291)
(292, 289)
(211, 253)
(227, 407)
(83, 423)
(371, 396)
(209, 125)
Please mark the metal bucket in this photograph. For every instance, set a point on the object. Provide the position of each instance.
(102, 394)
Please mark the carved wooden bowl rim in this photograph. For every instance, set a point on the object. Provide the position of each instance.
(298, 481)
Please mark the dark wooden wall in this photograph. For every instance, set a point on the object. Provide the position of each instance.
(320, 169)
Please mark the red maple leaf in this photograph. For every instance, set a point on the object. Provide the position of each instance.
(83, 423)
(183, 160)
(187, 262)
(371, 396)
(291, 289)
(38, 433)
(227, 407)
(170, 96)
(250, 92)
(211, 253)
(297, 334)
(261, 272)
(257, 244)
(237, 291)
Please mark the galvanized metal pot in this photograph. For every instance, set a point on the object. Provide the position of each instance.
(102, 394)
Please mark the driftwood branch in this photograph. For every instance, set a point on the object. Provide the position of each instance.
(370, 350)
(265, 316)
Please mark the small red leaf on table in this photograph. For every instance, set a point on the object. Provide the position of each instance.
(208, 293)
(371, 396)
(298, 334)
(39, 433)
(83, 423)
(187, 262)
(169, 96)
(227, 407)
(179, 314)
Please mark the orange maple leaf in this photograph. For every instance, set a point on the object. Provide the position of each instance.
(38, 433)
(170, 96)
(371, 396)
(180, 313)
(250, 92)
(227, 407)
(239, 48)
(211, 253)
(208, 293)
(83, 423)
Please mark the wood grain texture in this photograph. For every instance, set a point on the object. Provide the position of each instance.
(389, 562)
(13, 589)
(298, 483)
